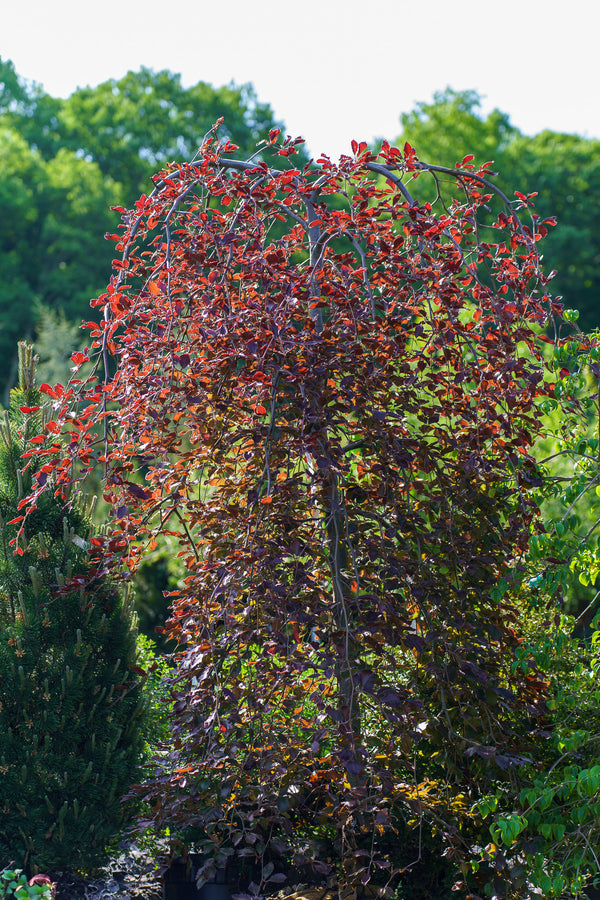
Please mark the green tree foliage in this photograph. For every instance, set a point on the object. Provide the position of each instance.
(66, 162)
(17, 97)
(564, 170)
(554, 826)
(19, 233)
(53, 211)
(70, 706)
(140, 123)
(450, 128)
(25, 106)
(74, 208)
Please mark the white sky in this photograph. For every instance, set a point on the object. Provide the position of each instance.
(333, 70)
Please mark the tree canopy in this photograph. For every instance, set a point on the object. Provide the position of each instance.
(66, 162)
(136, 125)
(334, 421)
(51, 250)
(563, 169)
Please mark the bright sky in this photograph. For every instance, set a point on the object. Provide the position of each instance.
(333, 70)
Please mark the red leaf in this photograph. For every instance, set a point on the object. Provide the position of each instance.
(119, 303)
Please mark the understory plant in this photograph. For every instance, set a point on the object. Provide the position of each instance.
(15, 886)
(550, 831)
(327, 393)
(70, 703)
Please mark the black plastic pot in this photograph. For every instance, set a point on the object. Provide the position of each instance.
(213, 890)
(179, 882)
(180, 891)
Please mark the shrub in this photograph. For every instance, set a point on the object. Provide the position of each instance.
(70, 711)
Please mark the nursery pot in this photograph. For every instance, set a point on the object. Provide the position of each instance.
(214, 890)
(179, 882)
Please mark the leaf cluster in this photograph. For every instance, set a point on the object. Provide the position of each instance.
(14, 884)
(552, 826)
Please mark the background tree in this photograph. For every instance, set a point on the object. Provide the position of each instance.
(21, 99)
(47, 250)
(334, 423)
(70, 703)
(138, 124)
(66, 162)
(452, 127)
(562, 168)
(19, 230)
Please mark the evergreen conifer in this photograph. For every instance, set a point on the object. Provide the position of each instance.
(70, 705)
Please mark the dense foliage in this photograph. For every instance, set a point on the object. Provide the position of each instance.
(334, 419)
(562, 169)
(70, 705)
(66, 162)
(328, 401)
(553, 828)
(53, 213)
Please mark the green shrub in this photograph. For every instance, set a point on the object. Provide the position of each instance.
(156, 693)
(14, 884)
(70, 700)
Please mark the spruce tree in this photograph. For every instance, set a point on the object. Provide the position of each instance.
(70, 705)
